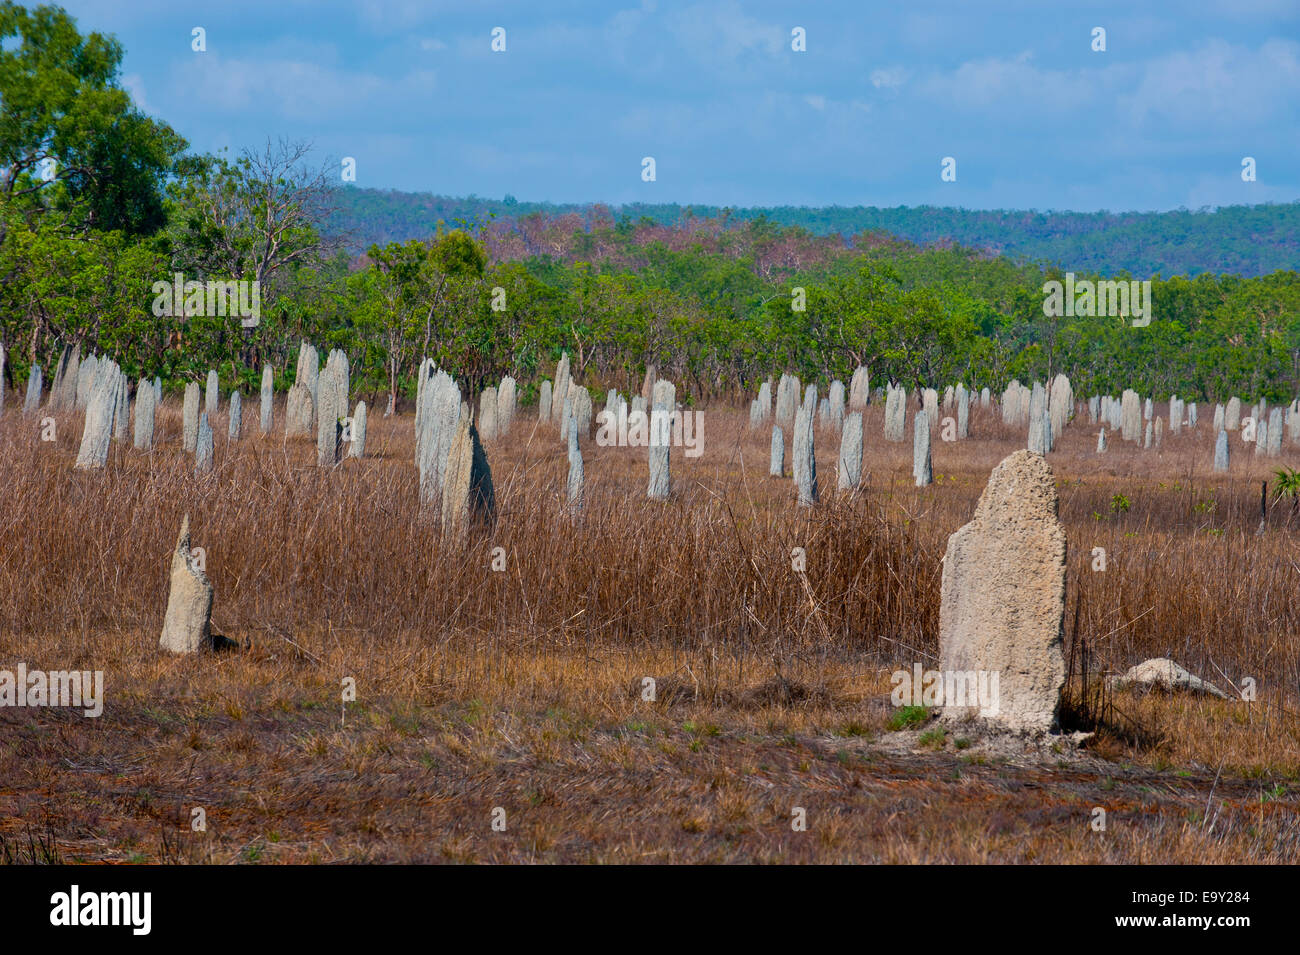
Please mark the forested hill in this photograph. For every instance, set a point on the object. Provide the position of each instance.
(1241, 240)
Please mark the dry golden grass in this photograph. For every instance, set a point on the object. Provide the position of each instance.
(520, 689)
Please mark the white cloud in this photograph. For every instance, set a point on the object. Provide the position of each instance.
(890, 79)
(295, 89)
(815, 101)
(720, 36)
(998, 83)
(1218, 83)
(1205, 92)
(133, 83)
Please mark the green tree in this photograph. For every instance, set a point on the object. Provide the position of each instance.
(70, 138)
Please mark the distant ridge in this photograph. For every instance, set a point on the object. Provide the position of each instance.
(1240, 240)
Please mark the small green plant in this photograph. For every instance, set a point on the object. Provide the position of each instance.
(1119, 504)
(933, 737)
(908, 716)
(1277, 792)
(1288, 485)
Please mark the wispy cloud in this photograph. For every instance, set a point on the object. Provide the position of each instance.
(888, 79)
(133, 83)
(1218, 83)
(295, 89)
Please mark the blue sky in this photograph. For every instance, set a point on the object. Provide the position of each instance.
(732, 115)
